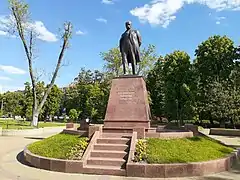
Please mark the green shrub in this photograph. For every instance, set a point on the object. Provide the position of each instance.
(73, 115)
(78, 150)
(141, 150)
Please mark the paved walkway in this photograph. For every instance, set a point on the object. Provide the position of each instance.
(228, 140)
(12, 169)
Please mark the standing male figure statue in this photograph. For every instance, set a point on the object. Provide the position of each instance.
(130, 43)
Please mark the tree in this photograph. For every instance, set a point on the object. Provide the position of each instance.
(213, 65)
(155, 86)
(214, 57)
(53, 102)
(113, 61)
(88, 94)
(148, 59)
(73, 114)
(88, 77)
(23, 28)
(28, 101)
(13, 103)
(176, 71)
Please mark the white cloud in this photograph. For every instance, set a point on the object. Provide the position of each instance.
(101, 20)
(42, 32)
(4, 88)
(11, 70)
(3, 33)
(38, 27)
(79, 32)
(221, 18)
(4, 78)
(162, 12)
(107, 2)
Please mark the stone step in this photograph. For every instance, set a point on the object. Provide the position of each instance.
(104, 170)
(113, 140)
(116, 135)
(117, 130)
(111, 147)
(106, 161)
(108, 154)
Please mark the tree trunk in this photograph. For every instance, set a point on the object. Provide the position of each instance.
(232, 122)
(222, 123)
(211, 121)
(35, 118)
(50, 118)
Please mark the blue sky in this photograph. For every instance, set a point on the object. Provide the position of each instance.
(168, 24)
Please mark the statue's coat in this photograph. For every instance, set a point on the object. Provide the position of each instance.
(130, 43)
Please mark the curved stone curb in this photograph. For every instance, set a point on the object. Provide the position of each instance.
(137, 169)
(60, 165)
(52, 164)
(181, 169)
(31, 132)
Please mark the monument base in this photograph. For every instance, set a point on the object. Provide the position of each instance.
(127, 124)
(128, 103)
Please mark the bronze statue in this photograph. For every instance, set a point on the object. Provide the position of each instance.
(130, 43)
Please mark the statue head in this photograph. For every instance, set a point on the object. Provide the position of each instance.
(128, 25)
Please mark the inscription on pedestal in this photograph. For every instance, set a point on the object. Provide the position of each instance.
(125, 96)
(127, 105)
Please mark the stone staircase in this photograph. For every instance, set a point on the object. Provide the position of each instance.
(109, 155)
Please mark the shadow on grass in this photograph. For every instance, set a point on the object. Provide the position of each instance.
(195, 138)
(37, 138)
(225, 150)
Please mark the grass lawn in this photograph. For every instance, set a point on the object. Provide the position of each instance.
(183, 150)
(60, 146)
(14, 124)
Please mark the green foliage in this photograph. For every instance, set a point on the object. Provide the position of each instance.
(155, 86)
(148, 59)
(195, 149)
(176, 71)
(73, 114)
(88, 95)
(58, 146)
(215, 58)
(78, 150)
(53, 102)
(216, 92)
(13, 103)
(141, 151)
(169, 86)
(206, 89)
(113, 61)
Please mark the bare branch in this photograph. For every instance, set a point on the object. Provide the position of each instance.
(20, 14)
(31, 45)
(66, 36)
(39, 73)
